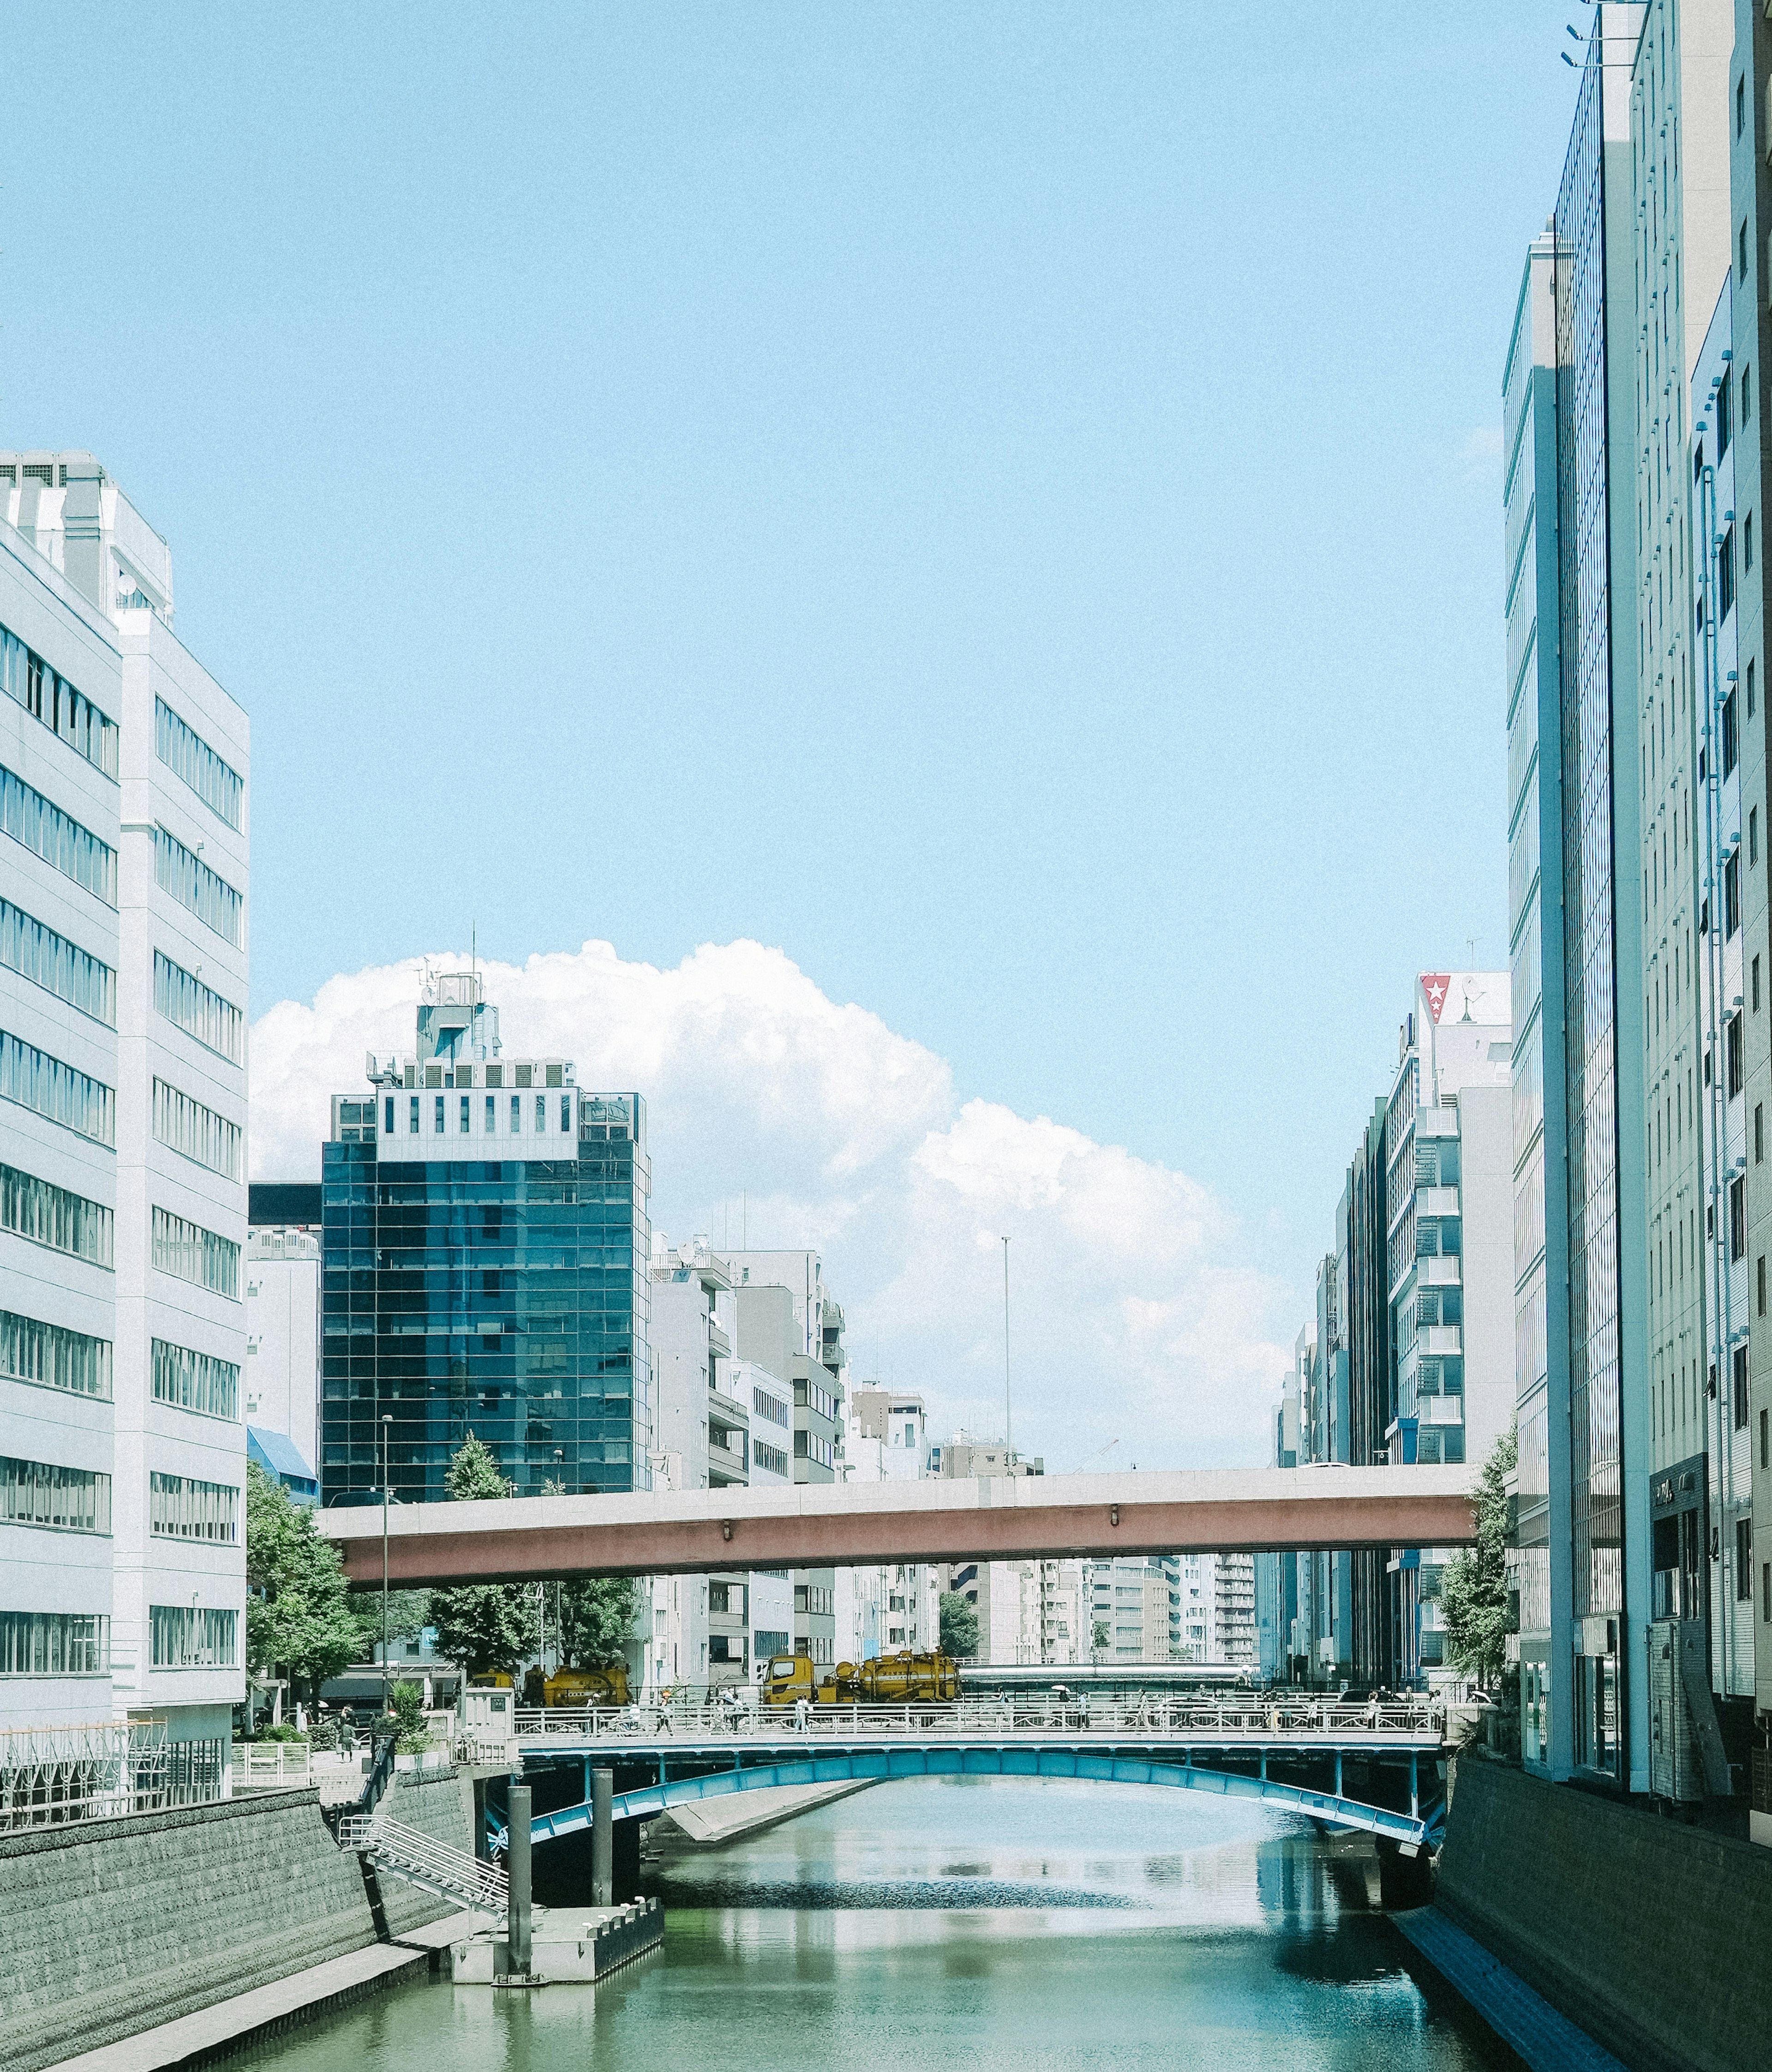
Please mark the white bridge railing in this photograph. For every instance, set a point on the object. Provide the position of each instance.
(410, 1853)
(1253, 1719)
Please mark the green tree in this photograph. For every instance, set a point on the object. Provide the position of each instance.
(408, 1614)
(407, 1702)
(1100, 1637)
(1474, 1599)
(597, 1614)
(487, 1627)
(958, 1626)
(299, 1619)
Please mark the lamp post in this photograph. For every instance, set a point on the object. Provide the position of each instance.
(385, 1422)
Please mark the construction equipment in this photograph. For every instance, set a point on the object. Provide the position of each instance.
(569, 1689)
(905, 1678)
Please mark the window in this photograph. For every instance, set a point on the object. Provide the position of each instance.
(1759, 1278)
(185, 1001)
(1742, 260)
(1766, 1439)
(195, 1381)
(1732, 895)
(1754, 982)
(1741, 104)
(60, 840)
(1732, 1052)
(437, 1122)
(1750, 690)
(55, 1644)
(565, 1112)
(1747, 541)
(1737, 1219)
(53, 1356)
(767, 1406)
(48, 1215)
(1743, 1559)
(62, 1499)
(1725, 578)
(466, 1118)
(28, 680)
(517, 1115)
(1723, 424)
(35, 1080)
(387, 1115)
(541, 1115)
(192, 1253)
(36, 952)
(188, 879)
(196, 1133)
(492, 1115)
(1759, 1133)
(189, 1637)
(1747, 405)
(412, 1114)
(771, 1457)
(180, 1508)
(189, 756)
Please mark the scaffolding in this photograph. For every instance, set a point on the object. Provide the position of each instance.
(51, 1775)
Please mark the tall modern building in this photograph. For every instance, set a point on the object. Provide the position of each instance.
(123, 801)
(484, 1266)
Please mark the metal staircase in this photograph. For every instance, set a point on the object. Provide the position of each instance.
(406, 1852)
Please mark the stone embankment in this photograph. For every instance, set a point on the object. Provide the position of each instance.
(110, 1927)
(1648, 1933)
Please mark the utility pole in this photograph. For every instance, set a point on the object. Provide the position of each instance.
(1008, 1430)
(386, 1421)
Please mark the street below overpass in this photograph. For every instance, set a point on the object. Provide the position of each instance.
(840, 1524)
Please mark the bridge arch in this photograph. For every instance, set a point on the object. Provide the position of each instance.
(1411, 1831)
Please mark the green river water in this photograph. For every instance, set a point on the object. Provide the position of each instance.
(969, 1925)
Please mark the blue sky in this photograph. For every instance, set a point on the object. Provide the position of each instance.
(1001, 503)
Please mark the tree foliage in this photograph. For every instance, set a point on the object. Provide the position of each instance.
(958, 1626)
(597, 1614)
(1474, 1600)
(299, 1623)
(486, 1627)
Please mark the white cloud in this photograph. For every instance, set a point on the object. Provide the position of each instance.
(1133, 1314)
(1480, 448)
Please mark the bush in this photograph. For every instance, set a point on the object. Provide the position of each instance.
(408, 1702)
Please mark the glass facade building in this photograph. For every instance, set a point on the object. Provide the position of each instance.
(484, 1264)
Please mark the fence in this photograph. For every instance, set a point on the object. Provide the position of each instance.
(49, 1775)
(271, 1765)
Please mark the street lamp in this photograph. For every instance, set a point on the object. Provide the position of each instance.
(385, 1422)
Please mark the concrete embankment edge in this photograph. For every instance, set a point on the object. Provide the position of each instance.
(1623, 1922)
(1524, 2020)
(708, 1823)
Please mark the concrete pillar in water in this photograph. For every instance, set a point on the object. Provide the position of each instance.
(602, 1838)
(517, 1919)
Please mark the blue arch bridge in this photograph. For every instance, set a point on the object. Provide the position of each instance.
(1371, 1766)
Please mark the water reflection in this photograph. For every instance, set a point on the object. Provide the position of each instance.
(1025, 1924)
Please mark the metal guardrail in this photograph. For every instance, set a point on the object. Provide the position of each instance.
(1251, 1720)
(50, 1774)
(421, 1860)
(262, 1765)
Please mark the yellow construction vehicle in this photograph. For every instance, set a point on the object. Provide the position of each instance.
(888, 1679)
(567, 1689)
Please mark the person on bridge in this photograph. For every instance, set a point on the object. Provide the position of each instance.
(803, 1715)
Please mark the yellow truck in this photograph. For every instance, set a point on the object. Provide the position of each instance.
(905, 1678)
(566, 1690)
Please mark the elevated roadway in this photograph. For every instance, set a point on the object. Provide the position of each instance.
(809, 1525)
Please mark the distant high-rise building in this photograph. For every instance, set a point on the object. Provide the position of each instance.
(125, 807)
(485, 1267)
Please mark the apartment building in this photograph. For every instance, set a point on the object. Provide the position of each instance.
(125, 800)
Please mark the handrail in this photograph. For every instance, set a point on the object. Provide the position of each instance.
(1152, 1718)
(410, 1853)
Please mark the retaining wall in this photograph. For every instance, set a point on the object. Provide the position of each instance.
(1646, 1933)
(109, 1927)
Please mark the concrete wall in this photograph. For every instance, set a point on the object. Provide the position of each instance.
(1643, 1931)
(109, 1927)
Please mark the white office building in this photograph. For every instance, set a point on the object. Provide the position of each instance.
(124, 802)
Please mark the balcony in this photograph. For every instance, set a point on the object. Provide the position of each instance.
(1439, 1271)
(1441, 1338)
(1436, 1202)
(719, 1342)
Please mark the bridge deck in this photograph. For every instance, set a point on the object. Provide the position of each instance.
(810, 1525)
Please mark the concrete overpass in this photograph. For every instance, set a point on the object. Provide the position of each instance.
(839, 1524)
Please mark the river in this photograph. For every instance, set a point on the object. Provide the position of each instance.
(970, 1925)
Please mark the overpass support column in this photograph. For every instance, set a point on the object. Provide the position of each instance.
(516, 1928)
(1340, 1793)
(602, 1838)
(1415, 1787)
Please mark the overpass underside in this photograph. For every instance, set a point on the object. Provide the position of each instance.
(840, 1524)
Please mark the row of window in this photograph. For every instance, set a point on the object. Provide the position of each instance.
(42, 827)
(44, 1493)
(190, 1006)
(188, 879)
(35, 1080)
(192, 1253)
(768, 1406)
(808, 1447)
(191, 1637)
(37, 952)
(464, 1114)
(181, 1507)
(815, 1398)
(771, 1457)
(55, 1216)
(185, 1126)
(55, 1644)
(53, 1356)
(28, 679)
(195, 1381)
(189, 756)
